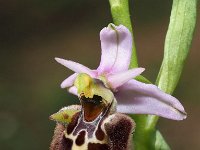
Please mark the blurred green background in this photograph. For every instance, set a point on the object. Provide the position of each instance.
(33, 32)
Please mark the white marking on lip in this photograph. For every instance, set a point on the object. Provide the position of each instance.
(86, 142)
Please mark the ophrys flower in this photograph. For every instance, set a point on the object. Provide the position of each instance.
(96, 124)
(132, 96)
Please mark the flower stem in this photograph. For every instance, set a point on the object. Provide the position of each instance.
(120, 14)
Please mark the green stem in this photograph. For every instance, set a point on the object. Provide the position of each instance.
(121, 15)
(151, 122)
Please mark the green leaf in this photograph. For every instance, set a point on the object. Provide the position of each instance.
(177, 43)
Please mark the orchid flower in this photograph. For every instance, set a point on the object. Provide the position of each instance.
(132, 96)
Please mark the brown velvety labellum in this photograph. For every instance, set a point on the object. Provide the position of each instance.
(81, 138)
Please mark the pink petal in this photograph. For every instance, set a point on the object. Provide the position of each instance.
(116, 45)
(140, 98)
(76, 67)
(73, 90)
(69, 81)
(116, 80)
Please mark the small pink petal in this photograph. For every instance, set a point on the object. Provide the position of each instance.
(116, 80)
(116, 45)
(73, 90)
(69, 81)
(139, 98)
(76, 67)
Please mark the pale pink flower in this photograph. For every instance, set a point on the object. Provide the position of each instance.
(132, 96)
